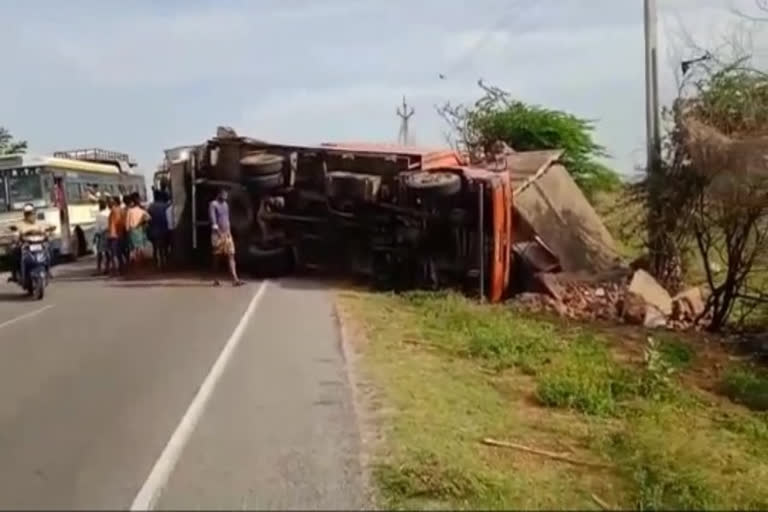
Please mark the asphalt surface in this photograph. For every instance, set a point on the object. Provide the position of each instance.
(96, 378)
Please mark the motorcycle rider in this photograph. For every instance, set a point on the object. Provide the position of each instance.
(29, 225)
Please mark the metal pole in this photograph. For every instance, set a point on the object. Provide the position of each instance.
(481, 238)
(653, 134)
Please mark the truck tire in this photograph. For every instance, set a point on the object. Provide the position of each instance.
(265, 182)
(347, 185)
(259, 164)
(436, 184)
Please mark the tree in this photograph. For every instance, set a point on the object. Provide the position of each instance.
(10, 146)
(714, 198)
(496, 117)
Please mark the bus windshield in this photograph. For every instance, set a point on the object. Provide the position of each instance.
(25, 189)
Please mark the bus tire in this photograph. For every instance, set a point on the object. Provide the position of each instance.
(82, 242)
(74, 249)
(77, 241)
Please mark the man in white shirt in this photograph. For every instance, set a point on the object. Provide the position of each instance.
(100, 237)
(171, 219)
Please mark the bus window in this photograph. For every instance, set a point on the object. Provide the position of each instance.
(89, 193)
(48, 190)
(73, 193)
(25, 189)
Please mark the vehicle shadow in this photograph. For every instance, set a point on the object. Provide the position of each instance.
(19, 296)
(319, 281)
(142, 276)
(159, 284)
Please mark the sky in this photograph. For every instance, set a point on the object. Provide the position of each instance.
(140, 76)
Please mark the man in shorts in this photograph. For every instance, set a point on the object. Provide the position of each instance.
(100, 237)
(222, 243)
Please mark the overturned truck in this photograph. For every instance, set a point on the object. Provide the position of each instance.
(403, 217)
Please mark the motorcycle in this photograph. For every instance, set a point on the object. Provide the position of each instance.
(35, 259)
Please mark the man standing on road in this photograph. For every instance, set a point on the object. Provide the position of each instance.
(100, 238)
(158, 229)
(221, 237)
(115, 234)
(170, 220)
(135, 220)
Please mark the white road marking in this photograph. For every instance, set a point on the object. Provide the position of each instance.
(161, 471)
(25, 315)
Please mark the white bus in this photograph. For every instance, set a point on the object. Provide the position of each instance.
(64, 191)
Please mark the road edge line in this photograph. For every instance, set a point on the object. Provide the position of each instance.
(364, 420)
(161, 471)
(25, 315)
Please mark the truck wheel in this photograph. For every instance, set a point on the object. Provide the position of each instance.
(442, 184)
(347, 185)
(265, 182)
(259, 164)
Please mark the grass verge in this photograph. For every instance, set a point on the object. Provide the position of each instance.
(616, 421)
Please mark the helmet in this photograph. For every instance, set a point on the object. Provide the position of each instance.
(29, 208)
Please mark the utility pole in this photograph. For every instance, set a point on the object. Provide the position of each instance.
(652, 129)
(661, 251)
(405, 115)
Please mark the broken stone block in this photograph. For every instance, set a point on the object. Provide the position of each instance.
(644, 285)
(633, 309)
(689, 304)
(654, 318)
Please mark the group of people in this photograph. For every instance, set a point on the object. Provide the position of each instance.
(124, 229)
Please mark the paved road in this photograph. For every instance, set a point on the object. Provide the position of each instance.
(96, 380)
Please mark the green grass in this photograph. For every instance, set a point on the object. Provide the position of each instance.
(450, 373)
(585, 378)
(676, 353)
(746, 386)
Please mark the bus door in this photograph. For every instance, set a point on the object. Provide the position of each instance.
(60, 200)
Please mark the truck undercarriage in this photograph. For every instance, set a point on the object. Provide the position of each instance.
(403, 218)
